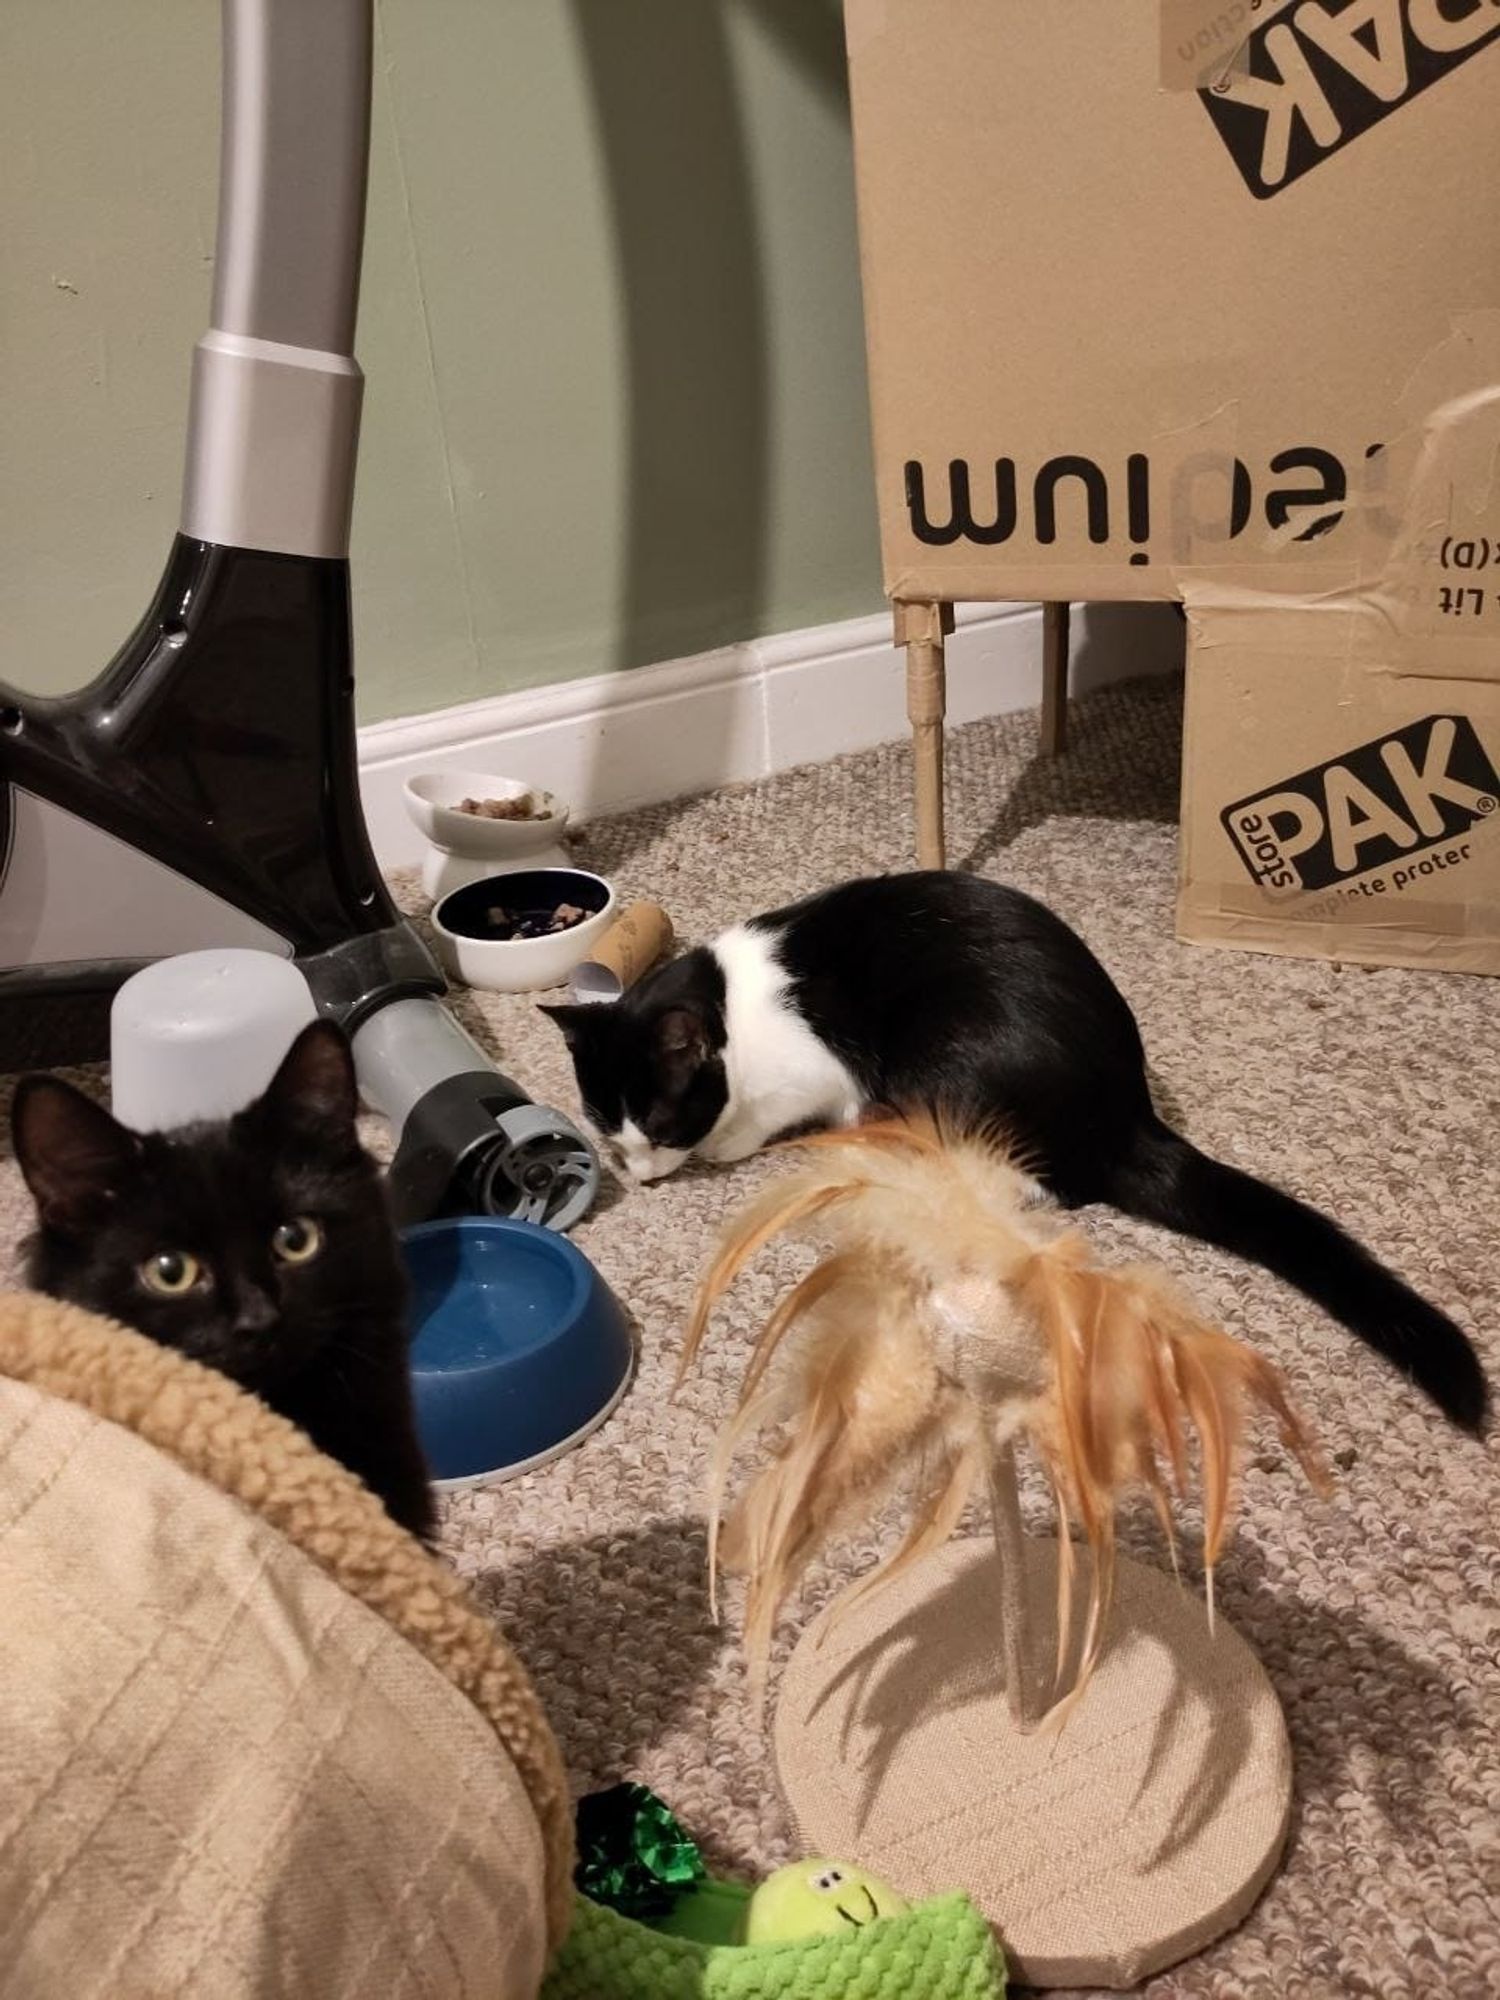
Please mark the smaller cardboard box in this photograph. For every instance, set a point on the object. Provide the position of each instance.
(1342, 793)
(1200, 299)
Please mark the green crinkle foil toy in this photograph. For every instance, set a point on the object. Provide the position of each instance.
(633, 1856)
(940, 1950)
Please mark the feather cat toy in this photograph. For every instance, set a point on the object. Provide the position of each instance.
(950, 1319)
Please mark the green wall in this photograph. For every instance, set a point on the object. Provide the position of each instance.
(616, 403)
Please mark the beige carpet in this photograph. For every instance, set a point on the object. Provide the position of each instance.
(1373, 1094)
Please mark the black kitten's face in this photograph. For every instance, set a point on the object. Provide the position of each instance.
(651, 1075)
(260, 1247)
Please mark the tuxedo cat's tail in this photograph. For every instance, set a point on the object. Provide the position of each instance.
(1168, 1181)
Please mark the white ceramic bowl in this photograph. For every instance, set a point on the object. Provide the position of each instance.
(520, 965)
(465, 847)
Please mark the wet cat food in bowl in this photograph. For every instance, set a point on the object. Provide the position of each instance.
(519, 1347)
(524, 805)
(521, 932)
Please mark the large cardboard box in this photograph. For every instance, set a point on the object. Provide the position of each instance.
(1200, 299)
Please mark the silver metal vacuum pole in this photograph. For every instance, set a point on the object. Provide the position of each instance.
(272, 441)
(273, 424)
(203, 789)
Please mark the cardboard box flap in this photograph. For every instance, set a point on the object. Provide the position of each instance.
(1104, 365)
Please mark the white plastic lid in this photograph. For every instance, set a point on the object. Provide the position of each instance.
(201, 1035)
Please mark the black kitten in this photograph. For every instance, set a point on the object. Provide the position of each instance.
(949, 993)
(261, 1246)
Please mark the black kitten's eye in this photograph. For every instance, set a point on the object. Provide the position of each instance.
(170, 1272)
(298, 1241)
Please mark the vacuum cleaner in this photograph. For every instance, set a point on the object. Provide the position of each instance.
(203, 789)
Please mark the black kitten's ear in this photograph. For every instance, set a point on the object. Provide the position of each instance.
(315, 1088)
(570, 1019)
(75, 1157)
(681, 1038)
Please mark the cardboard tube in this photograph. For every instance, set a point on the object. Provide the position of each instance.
(631, 946)
(921, 629)
(925, 691)
(1055, 619)
(927, 750)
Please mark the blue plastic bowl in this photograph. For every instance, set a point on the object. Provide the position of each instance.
(519, 1348)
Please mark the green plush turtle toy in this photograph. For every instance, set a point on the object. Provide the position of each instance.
(652, 1924)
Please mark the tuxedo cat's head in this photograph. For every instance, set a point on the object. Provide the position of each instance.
(259, 1246)
(650, 1065)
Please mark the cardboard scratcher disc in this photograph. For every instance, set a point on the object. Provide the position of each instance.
(1143, 1831)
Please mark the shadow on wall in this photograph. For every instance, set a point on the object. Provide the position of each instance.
(1118, 639)
(699, 375)
(688, 258)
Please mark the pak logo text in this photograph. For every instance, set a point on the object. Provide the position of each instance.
(1392, 813)
(1303, 85)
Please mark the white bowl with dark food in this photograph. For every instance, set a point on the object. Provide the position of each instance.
(522, 931)
(479, 825)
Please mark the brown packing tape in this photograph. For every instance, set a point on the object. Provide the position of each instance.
(1341, 914)
(1223, 506)
(926, 683)
(1476, 949)
(1438, 574)
(975, 580)
(920, 627)
(628, 949)
(1203, 41)
(921, 620)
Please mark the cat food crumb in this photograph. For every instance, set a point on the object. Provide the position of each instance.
(511, 926)
(524, 807)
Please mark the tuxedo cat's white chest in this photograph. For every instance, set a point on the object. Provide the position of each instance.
(779, 1073)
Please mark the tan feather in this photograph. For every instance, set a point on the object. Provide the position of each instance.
(1067, 1564)
(1104, 1371)
(953, 1471)
(1130, 1333)
(801, 1298)
(779, 1210)
(865, 1396)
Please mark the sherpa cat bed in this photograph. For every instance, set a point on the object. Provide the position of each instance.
(254, 1740)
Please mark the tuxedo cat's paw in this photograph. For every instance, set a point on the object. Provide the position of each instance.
(729, 1148)
(643, 1161)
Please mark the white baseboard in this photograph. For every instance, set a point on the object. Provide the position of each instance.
(614, 741)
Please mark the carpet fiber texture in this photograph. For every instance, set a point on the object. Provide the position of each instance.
(1373, 1094)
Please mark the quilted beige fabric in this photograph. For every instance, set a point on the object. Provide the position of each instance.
(223, 1771)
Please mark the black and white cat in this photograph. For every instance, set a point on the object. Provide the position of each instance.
(947, 993)
(261, 1246)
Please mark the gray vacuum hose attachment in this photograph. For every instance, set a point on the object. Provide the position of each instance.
(544, 1171)
(468, 1139)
